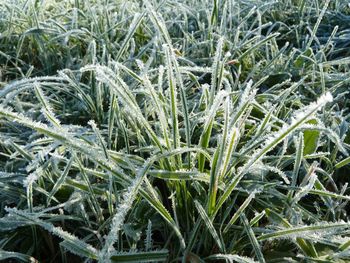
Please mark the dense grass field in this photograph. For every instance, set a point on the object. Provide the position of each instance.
(174, 131)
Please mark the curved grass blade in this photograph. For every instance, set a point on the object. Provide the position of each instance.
(209, 225)
(252, 238)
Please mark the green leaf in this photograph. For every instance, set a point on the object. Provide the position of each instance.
(231, 258)
(342, 163)
(209, 225)
(252, 238)
(294, 231)
(239, 211)
(311, 139)
(60, 180)
(149, 256)
(304, 245)
(71, 242)
(6, 255)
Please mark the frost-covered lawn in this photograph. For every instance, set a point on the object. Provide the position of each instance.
(174, 131)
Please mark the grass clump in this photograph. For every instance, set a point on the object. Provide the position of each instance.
(174, 131)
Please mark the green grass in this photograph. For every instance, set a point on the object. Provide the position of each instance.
(174, 131)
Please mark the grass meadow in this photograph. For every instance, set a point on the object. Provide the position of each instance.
(174, 131)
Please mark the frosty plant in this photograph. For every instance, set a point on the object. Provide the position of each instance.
(174, 131)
